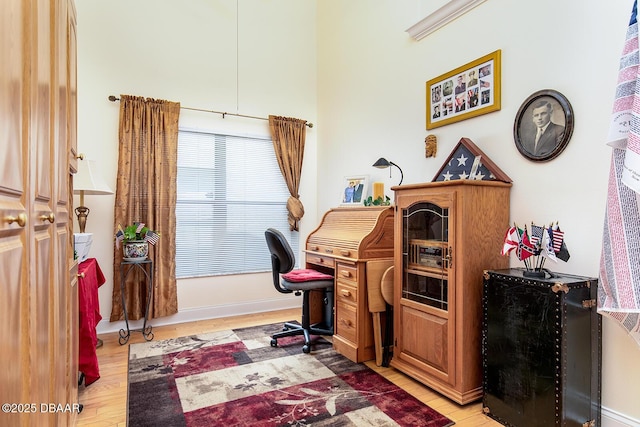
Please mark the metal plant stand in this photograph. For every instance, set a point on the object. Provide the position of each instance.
(126, 267)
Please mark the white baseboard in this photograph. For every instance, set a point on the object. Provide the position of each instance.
(203, 313)
(610, 418)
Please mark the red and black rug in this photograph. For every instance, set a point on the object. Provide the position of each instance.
(235, 378)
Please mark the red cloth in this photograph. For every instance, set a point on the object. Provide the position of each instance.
(305, 275)
(89, 280)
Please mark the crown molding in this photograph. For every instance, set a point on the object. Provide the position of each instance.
(441, 17)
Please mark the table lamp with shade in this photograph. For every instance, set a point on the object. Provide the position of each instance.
(87, 181)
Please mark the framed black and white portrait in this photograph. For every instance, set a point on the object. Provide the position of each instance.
(543, 125)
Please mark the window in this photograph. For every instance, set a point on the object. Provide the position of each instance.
(230, 190)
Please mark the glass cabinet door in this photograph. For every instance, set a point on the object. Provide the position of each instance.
(426, 254)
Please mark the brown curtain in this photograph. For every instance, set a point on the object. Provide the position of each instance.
(288, 137)
(146, 192)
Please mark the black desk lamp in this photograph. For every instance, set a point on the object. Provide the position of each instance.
(382, 163)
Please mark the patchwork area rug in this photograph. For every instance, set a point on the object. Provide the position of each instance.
(235, 378)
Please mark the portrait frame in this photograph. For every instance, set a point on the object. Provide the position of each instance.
(359, 195)
(524, 127)
(465, 92)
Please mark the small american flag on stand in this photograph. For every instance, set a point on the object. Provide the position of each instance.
(557, 236)
(152, 237)
(536, 237)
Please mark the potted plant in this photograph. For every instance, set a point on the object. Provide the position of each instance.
(377, 202)
(135, 240)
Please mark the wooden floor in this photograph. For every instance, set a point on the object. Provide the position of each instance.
(105, 401)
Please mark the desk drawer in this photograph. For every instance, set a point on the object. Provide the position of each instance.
(331, 251)
(346, 272)
(346, 293)
(320, 260)
(346, 315)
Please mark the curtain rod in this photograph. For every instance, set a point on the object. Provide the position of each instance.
(222, 113)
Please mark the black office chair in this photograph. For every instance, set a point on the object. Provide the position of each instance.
(300, 281)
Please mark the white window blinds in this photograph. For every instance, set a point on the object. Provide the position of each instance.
(230, 190)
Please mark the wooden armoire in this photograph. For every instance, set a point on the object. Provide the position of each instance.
(38, 292)
(447, 233)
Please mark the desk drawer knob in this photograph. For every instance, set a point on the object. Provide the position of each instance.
(345, 273)
(345, 253)
(313, 248)
(345, 293)
(347, 323)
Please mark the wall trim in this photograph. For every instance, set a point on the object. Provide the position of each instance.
(611, 418)
(441, 17)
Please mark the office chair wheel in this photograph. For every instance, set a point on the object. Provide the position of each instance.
(274, 342)
(306, 349)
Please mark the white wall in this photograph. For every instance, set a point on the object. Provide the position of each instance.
(371, 103)
(365, 92)
(222, 55)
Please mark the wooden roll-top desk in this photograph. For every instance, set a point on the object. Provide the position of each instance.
(346, 239)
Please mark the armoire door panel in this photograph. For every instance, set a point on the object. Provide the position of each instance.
(13, 333)
(65, 322)
(14, 278)
(40, 319)
(12, 149)
(37, 305)
(426, 338)
(72, 119)
(40, 120)
(41, 171)
(69, 19)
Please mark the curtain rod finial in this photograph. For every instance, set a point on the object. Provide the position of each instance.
(113, 98)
